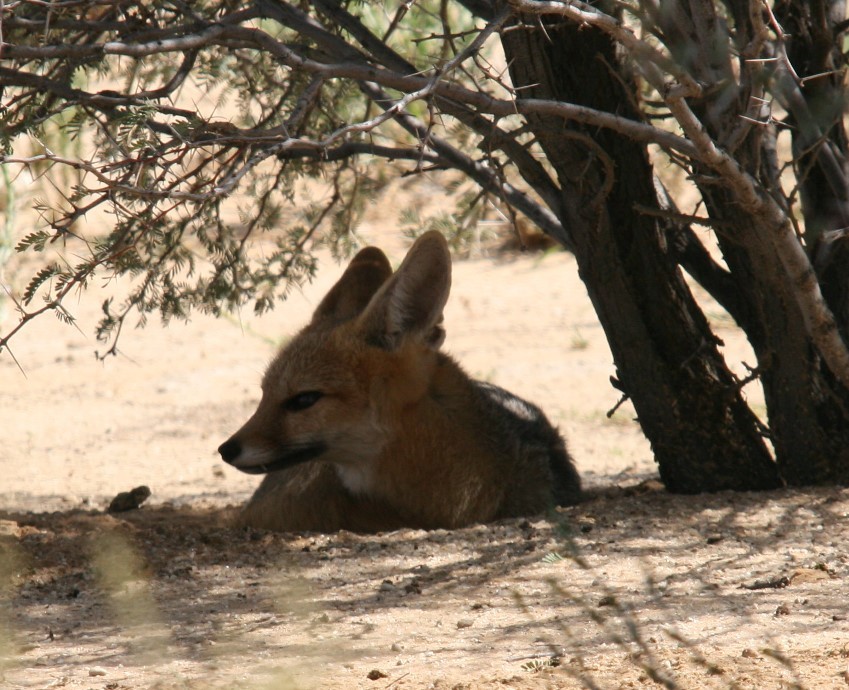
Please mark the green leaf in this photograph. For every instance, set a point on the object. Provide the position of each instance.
(45, 274)
(34, 241)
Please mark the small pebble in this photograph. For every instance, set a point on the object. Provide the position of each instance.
(129, 500)
(464, 623)
(96, 671)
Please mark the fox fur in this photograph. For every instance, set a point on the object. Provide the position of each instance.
(365, 425)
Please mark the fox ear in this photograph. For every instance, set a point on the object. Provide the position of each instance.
(346, 300)
(410, 303)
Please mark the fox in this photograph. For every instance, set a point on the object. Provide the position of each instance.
(365, 424)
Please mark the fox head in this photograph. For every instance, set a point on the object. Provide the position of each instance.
(368, 352)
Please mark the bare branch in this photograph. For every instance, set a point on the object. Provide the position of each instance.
(417, 87)
(776, 230)
(529, 168)
(289, 149)
(652, 63)
(482, 174)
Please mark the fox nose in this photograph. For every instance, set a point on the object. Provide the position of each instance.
(230, 450)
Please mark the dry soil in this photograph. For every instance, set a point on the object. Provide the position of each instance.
(634, 588)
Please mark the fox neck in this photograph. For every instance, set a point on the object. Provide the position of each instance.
(358, 479)
(431, 443)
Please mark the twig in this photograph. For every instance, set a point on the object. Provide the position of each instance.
(775, 229)
(648, 59)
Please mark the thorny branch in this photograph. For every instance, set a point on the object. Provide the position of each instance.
(417, 87)
(156, 151)
(678, 88)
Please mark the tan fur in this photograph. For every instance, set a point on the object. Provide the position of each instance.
(375, 429)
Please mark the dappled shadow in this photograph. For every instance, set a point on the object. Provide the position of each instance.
(622, 565)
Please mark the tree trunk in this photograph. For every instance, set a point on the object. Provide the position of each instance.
(689, 405)
(808, 409)
(819, 140)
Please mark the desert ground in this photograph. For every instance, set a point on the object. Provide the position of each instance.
(633, 588)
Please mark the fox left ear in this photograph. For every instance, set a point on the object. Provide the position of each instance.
(410, 303)
(367, 271)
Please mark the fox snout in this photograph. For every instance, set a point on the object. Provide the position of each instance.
(230, 450)
(231, 453)
(254, 460)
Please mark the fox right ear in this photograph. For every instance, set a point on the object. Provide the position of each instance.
(368, 270)
(410, 303)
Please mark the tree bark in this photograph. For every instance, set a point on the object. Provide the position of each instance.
(815, 113)
(808, 409)
(704, 436)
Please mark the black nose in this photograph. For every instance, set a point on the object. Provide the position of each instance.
(230, 450)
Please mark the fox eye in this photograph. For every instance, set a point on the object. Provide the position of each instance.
(302, 401)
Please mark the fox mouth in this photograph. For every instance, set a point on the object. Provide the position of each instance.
(279, 460)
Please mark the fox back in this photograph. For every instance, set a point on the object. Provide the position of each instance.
(364, 424)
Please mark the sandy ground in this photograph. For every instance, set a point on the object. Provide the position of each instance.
(633, 588)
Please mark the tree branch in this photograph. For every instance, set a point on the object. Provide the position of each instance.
(776, 230)
(104, 100)
(423, 86)
(529, 168)
(483, 175)
(651, 62)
